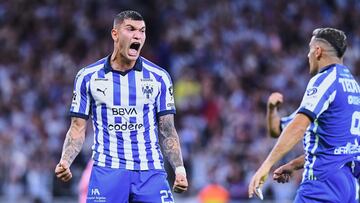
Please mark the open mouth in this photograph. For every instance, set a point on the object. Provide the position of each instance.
(135, 45)
(134, 48)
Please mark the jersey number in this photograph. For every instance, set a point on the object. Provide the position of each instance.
(166, 194)
(355, 123)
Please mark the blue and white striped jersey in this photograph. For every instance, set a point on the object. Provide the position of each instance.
(124, 107)
(284, 121)
(332, 102)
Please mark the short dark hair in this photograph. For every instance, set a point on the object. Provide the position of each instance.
(336, 38)
(129, 14)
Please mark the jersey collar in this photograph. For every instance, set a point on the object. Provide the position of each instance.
(108, 68)
(327, 67)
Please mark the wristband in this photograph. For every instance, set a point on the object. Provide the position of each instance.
(180, 170)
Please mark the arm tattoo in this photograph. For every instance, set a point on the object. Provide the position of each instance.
(169, 140)
(72, 145)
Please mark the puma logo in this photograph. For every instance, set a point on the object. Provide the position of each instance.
(102, 91)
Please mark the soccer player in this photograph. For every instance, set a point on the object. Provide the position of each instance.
(131, 103)
(331, 109)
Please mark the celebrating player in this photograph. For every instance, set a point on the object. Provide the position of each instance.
(330, 109)
(131, 103)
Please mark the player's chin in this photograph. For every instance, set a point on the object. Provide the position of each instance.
(179, 190)
(132, 57)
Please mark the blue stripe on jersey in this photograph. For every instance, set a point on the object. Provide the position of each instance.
(106, 135)
(132, 88)
(101, 73)
(96, 142)
(163, 95)
(146, 75)
(117, 91)
(147, 137)
(83, 100)
(120, 145)
(134, 146)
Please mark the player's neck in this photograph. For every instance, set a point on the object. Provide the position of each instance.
(120, 63)
(329, 61)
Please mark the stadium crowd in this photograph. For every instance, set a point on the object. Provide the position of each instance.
(225, 56)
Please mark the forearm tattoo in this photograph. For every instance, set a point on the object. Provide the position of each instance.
(169, 140)
(72, 147)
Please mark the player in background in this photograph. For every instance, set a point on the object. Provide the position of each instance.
(275, 125)
(330, 112)
(131, 103)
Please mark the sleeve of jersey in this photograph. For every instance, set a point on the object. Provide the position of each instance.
(165, 100)
(284, 121)
(80, 105)
(319, 94)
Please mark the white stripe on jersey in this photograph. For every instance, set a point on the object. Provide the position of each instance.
(311, 102)
(153, 134)
(100, 138)
(140, 136)
(124, 89)
(115, 162)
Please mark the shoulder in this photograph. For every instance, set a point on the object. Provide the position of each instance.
(155, 69)
(324, 77)
(89, 70)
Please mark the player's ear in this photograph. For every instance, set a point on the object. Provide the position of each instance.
(114, 34)
(318, 52)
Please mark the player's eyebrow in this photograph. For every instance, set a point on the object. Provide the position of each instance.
(134, 27)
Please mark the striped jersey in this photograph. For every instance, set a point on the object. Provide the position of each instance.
(332, 102)
(124, 107)
(284, 121)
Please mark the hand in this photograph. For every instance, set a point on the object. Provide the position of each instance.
(275, 100)
(62, 171)
(180, 184)
(283, 173)
(257, 181)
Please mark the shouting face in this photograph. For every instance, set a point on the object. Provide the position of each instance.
(129, 37)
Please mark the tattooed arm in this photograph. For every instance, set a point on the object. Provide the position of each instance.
(169, 141)
(72, 145)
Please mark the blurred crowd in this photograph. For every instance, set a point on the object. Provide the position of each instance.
(225, 58)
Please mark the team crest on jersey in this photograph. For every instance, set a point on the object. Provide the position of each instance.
(147, 90)
(311, 91)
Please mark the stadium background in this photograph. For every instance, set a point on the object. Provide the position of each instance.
(225, 57)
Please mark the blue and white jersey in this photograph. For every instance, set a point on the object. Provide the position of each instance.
(332, 102)
(284, 121)
(124, 107)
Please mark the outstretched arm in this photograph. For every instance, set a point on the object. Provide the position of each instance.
(72, 145)
(169, 141)
(272, 116)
